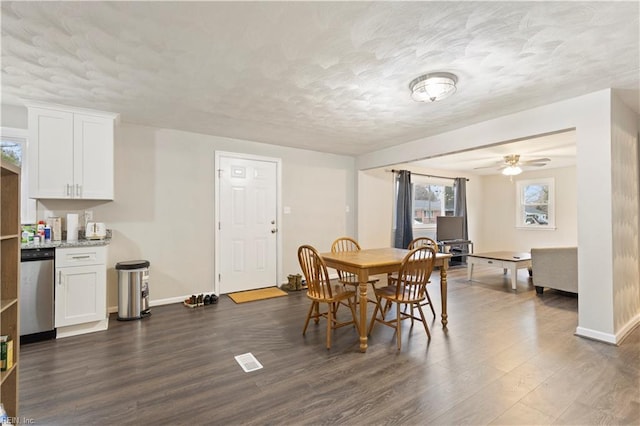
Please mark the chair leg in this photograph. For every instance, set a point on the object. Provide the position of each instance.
(375, 313)
(387, 306)
(424, 321)
(433, 311)
(306, 323)
(329, 324)
(352, 306)
(317, 317)
(398, 327)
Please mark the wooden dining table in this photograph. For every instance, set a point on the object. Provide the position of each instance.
(367, 262)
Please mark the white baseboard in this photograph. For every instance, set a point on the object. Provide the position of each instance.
(614, 339)
(75, 330)
(157, 302)
(596, 335)
(627, 328)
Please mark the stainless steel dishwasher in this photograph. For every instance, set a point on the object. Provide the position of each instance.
(37, 275)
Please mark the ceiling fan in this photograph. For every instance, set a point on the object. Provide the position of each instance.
(511, 164)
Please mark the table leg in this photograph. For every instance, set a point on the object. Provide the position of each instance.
(469, 269)
(514, 276)
(363, 277)
(443, 291)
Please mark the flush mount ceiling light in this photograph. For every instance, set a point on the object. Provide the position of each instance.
(511, 170)
(433, 87)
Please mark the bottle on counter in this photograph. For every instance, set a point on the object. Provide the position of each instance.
(40, 230)
(47, 233)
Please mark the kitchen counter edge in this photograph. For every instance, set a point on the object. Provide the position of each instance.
(66, 244)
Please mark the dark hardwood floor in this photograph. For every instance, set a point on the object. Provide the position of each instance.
(506, 358)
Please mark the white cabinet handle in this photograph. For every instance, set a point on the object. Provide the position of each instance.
(59, 277)
(81, 257)
(78, 188)
(68, 190)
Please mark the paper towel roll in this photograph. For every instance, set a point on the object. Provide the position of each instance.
(72, 227)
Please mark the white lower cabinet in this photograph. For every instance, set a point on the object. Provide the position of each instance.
(81, 287)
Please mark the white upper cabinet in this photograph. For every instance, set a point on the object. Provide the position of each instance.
(70, 153)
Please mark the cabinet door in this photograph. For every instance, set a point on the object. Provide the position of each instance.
(93, 157)
(50, 148)
(81, 295)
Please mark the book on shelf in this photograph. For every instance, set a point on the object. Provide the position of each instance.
(6, 353)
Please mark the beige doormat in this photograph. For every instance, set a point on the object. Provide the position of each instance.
(260, 294)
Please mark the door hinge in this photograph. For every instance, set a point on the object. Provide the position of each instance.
(219, 173)
(219, 226)
(219, 278)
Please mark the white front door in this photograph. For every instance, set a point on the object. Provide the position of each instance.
(247, 223)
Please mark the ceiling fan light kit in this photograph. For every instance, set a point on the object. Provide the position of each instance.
(512, 166)
(511, 171)
(433, 87)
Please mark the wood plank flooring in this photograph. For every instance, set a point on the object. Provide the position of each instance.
(506, 358)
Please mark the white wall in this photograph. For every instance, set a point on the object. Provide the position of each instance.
(13, 116)
(498, 231)
(375, 208)
(164, 204)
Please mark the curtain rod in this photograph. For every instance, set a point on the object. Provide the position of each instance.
(422, 174)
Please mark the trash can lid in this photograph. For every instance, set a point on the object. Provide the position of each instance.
(133, 264)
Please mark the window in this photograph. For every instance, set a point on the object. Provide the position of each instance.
(535, 204)
(13, 144)
(430, 200)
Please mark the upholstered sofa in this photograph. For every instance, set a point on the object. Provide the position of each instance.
(555, 268)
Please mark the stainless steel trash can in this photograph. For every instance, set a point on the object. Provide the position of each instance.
(133, 289)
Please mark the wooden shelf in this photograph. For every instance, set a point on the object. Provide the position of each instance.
(10, 275)
(7, 303)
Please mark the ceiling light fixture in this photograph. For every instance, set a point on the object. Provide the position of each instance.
(511, 170)
(433, 87)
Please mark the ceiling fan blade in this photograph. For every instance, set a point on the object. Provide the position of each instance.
(487, 167)
(536, 160)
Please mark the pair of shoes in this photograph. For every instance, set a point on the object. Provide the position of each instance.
(210, 299)
(291, 285)
(200, 300)
(191, 302)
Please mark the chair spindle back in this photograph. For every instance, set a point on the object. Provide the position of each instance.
(315, 272)
(414, 273)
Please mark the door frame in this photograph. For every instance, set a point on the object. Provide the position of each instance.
(216, 218)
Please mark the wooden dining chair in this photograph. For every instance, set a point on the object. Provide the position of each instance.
(346, 244)
(427, 242)
(415, 243)
(321, 291)
(409, 290)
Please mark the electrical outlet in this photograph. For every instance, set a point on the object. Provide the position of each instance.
(88, 216)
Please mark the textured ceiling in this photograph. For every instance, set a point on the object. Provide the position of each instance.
(327, 76)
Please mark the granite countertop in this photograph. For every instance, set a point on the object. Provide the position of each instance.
(64, 244)
(80, 242)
